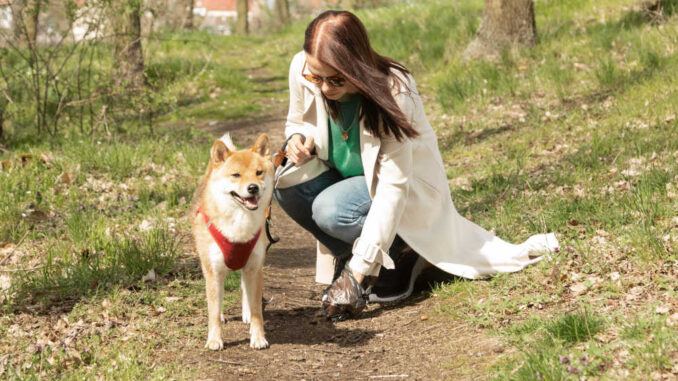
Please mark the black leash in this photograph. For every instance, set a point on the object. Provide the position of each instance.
(269, 222)
(279, 159)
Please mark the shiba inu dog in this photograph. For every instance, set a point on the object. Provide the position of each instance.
(227, 217)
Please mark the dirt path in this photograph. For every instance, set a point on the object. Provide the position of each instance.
(405, 341)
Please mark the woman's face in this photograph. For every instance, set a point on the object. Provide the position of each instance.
(317, 67)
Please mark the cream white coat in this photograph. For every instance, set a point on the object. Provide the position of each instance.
(409, 191)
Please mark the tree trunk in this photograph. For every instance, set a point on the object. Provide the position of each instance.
(28, 25)
(2, 122)
(188, 21)
(506, 23)
(282, 12)
(128, 54)
(16, 7)
(350, 4)
(242, 25)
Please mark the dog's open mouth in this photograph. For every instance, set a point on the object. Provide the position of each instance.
(250, 203)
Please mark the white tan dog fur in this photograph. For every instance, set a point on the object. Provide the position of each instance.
(234, 193)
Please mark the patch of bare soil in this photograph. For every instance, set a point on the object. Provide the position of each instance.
(404, 341)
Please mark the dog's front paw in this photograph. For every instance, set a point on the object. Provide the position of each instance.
(214, 344)
(222, 318)
(258, 341)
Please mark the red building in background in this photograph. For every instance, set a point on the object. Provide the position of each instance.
(220, 15)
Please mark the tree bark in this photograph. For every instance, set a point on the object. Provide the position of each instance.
(28, 25)
(506, 23)
(188, 21)
(16, 7)
(242, 25)
(350, 4)
(2, 122)
(128, 54)
(282, 12)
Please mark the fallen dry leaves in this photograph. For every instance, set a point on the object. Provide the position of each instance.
(461, 182)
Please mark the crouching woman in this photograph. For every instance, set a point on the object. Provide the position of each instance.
(367, 178)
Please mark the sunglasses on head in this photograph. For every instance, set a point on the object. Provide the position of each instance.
(334, 81)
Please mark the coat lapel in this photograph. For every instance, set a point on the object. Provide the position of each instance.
(313, 98)
(322, 135)
(313, 95)
(369, 151)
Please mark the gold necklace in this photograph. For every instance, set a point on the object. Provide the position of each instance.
(344, 133)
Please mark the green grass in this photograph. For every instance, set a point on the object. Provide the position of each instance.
(575, 327)
(577, 137)
(82, 209)
(101, 263)
(549, 347)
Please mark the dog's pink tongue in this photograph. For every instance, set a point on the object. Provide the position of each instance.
(251, 202)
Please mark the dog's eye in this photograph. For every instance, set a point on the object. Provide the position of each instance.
(259, 172)
(236, 175)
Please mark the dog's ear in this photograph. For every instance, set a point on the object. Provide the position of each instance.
(219, 152)
(262, 146)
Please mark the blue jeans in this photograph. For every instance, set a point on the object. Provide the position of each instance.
(333, 209)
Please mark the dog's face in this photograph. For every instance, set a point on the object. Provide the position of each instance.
(244, 177)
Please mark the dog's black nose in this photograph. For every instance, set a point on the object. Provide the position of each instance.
(253, 188)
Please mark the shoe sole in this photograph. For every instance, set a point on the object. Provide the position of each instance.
(419, 266)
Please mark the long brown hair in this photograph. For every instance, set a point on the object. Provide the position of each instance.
(339, 39)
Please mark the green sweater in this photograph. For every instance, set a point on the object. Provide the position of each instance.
(344, 154)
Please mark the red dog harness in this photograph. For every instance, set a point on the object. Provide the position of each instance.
(235, 254)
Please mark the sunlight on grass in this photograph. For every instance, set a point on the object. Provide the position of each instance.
(104, 263)
(546, 350)
(575, 327)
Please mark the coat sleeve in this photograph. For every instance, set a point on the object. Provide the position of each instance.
(393, 173)
(295, 122)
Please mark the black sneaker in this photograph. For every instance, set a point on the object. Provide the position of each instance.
(397, 284)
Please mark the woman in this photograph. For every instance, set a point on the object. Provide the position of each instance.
(368, 180)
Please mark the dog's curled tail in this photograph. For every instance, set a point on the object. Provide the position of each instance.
(226, 139)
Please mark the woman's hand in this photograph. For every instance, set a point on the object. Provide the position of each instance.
(300, 152)
(347, 296)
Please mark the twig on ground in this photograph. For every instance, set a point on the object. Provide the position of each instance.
(461, 326)
(314, 372)
(431, 327)
(295, 277)
(391, 376)
(517, 368)
(290, 289)
(19, 270)
(207, 63)
(15, 247)
(226, 362)
(295, 301)
(329, 351)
